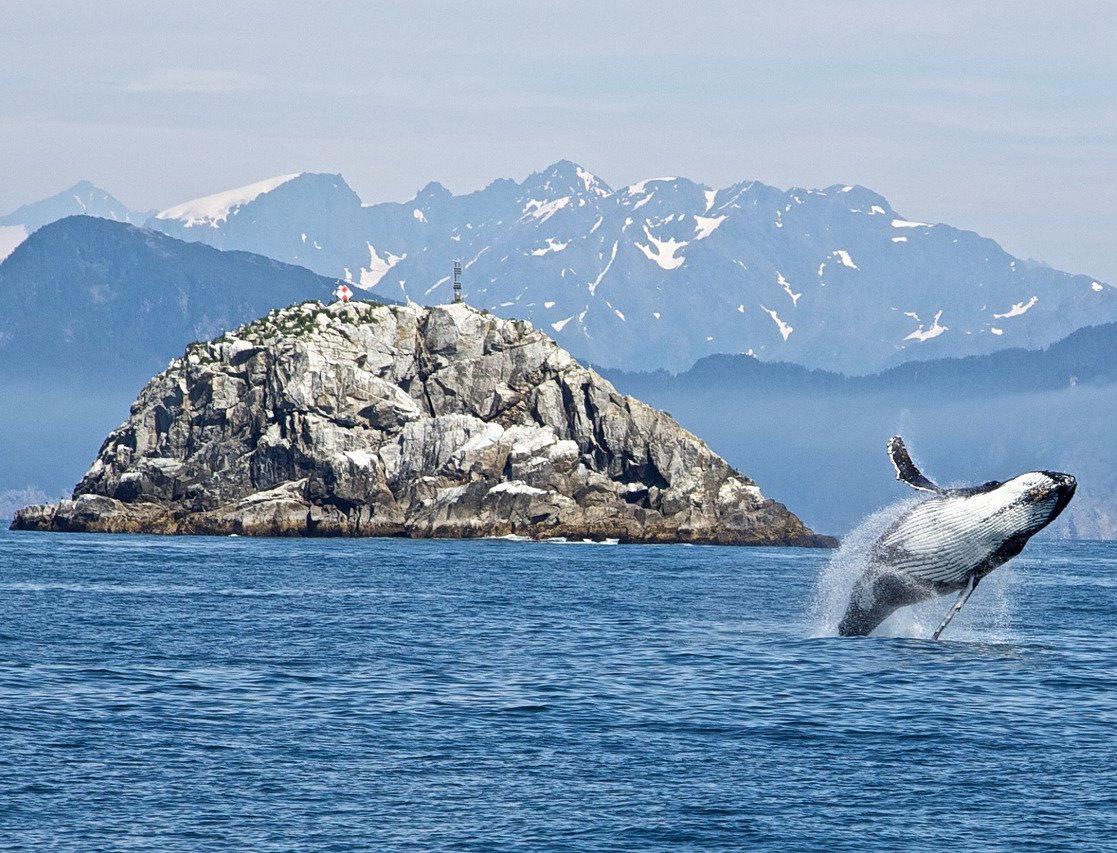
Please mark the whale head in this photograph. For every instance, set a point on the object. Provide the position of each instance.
(1028, 503)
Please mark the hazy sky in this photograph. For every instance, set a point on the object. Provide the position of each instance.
(1000, 117)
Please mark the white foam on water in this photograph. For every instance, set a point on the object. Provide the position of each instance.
(986, 618)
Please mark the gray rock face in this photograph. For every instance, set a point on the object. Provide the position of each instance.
(406, 421)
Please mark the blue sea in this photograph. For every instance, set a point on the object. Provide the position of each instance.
(200, 693)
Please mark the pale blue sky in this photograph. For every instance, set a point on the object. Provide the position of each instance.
(1000, 117)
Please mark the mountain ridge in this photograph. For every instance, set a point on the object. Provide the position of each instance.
(666, 270)
(1083, 357)
(83, 198)
(87, 297)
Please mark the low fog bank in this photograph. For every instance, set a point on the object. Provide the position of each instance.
(50, 436)
(821, 452)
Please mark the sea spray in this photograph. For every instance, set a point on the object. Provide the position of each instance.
(985, 618)
(839, 574)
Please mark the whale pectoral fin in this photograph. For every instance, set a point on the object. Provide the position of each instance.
(906, 470)
(963, 597)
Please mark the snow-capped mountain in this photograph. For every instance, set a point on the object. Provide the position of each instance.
(665, 271)
(656, 274)
(82, 198)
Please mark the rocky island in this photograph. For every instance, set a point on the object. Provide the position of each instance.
(371, 420)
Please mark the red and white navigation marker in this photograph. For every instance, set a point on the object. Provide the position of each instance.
(344, 293)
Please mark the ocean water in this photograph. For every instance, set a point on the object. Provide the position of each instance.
(186, 693)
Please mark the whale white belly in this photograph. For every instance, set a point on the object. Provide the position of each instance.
(942, 540)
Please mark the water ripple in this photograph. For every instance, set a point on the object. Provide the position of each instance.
(183, 693)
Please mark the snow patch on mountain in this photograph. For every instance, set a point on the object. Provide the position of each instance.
(591, 182)
(932, 331)
(1017, 309)
(597, 281)
(662, 251)
(706, 225)
(784, 328)
(214, 209)
(10, 237)
(378, 267)
(786, 285)
(552, 245)
(544, 210)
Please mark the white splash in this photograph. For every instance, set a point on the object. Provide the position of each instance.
(837, 578)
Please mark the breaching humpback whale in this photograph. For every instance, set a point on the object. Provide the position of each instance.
(950, 541)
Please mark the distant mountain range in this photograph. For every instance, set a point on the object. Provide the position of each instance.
(1086, 357)
(88, 300)
(82, 199)
(666, 271)
(816, 438)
